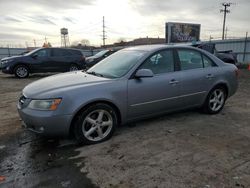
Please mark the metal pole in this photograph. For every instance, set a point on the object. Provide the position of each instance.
(64, 37)
(224, 21)
(34, 43)
(245, 47)
(9, 50)
(103, 31)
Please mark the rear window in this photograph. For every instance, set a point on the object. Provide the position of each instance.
(190, 59)
(208, 62)
(66, 52)
(57, 52)
(61, 52)
(75, 52)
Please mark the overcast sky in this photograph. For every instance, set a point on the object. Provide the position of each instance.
(23, 21)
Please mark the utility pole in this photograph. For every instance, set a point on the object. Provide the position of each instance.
(226, 33)
(225, 11)
(103, 31)
(34, 43)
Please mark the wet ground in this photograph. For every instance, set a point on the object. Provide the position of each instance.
(29, 161)
(185, 149)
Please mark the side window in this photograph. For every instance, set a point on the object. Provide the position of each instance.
(75, 52)
(42, 53)
(207, 62)
(161, 62)
(57, 52)
(66, 53)
(190, 59)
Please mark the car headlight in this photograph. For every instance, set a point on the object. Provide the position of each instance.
(46, 104)
(6, 61)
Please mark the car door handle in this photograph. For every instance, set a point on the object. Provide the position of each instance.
(173, 82)
(209, 76)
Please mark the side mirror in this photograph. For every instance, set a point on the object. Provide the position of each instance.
(143, 73)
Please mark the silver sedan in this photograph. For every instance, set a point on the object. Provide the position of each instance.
(132, 84)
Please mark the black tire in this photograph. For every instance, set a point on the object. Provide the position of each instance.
(87, 126)
(215, 100)
(21, 71)
(73, 67)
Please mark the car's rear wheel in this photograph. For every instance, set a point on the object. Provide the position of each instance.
(95, 124)
(21, 71)
(73, 67)
(215, 100)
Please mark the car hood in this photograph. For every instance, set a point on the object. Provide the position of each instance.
(12, 57)
(61, 83)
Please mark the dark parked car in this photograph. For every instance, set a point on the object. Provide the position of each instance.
(228, 56)
(43, 60)
(131, 84)
(92, 60)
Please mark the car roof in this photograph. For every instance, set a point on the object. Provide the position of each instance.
(60, 48)
(158, 47)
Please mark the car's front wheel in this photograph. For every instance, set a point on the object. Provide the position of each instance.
(21, 71)
(215, 100)
(95, 124)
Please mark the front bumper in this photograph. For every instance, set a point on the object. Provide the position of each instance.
(6, 69)
(45, 123)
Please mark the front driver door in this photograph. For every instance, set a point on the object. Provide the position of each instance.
(41, 60)
(157, 94)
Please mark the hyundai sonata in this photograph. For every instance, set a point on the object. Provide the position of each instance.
(132, 84)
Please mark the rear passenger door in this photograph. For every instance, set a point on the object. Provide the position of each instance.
(61, 60)
(194, 84)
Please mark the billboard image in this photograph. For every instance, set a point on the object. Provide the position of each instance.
(182, 32)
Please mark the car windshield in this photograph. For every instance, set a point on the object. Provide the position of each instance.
(116, 65)
(31, 52)
(101, 53)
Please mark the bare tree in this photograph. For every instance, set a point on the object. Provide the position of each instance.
(82, 42)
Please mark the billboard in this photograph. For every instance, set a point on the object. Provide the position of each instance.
(182, 32)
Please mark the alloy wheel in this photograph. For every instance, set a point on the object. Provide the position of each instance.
(97, 125)
(216, 100)
(21, 72)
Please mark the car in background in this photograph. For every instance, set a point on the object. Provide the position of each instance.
(92, 60)
(43, 60)
(228, 56)
(132, 84)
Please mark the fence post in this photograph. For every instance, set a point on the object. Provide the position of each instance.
(9, 50)
(245, 48)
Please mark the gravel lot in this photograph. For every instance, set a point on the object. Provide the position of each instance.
(184, 149)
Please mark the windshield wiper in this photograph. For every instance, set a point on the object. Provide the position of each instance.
(95, 73)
